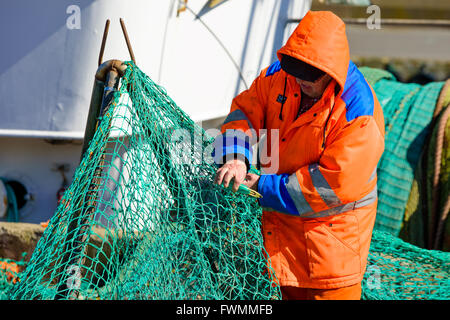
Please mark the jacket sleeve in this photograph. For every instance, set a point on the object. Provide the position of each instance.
(343, 178)
(240, 129)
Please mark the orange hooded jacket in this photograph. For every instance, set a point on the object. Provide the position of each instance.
(319, 199)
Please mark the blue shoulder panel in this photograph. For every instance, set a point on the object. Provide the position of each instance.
(274, 68)
(357, 94)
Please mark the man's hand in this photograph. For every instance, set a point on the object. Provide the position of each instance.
(251, 181)
(231, 169)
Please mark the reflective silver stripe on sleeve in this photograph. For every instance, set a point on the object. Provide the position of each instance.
(305, 210)
(368, 199)
(294, 190)
(323, 188)
(372, 176)
(331, 212)
(237, 115)
(365, 201)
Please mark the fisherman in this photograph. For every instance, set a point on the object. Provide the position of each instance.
(319, 203)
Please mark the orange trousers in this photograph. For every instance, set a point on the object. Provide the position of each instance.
(346, 293)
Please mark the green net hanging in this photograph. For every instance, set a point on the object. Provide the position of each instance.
(408, 111)
(142, 219)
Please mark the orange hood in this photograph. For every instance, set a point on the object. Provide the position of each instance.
(320, 40)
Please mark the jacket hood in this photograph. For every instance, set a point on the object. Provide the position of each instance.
(320, 40)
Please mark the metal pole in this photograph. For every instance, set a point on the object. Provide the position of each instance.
(102, 48)
(94, 112)
(77, 230)
(127, 40)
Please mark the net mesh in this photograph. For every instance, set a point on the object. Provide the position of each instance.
(142, 219)
(397, 270)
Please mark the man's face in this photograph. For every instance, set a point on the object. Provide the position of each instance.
(314, 89)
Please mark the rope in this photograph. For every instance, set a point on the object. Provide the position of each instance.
(442, 223)
(443, 98)
(438, 158)
(437, 171)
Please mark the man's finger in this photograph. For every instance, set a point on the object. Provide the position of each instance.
(227, 178)
(251, 181)
(220, 174)
(236, 184)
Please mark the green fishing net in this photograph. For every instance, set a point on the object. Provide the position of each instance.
(142, 219)
(408, 110)
(397, 270)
